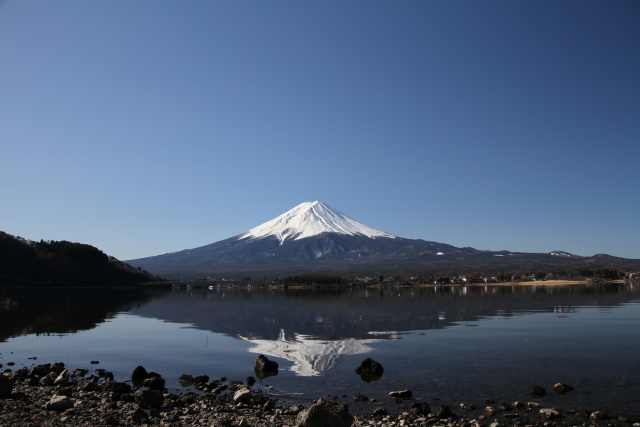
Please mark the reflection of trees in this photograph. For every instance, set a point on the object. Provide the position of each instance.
(65, 310)
(354, 313)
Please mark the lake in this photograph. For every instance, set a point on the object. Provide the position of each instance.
(446, 344)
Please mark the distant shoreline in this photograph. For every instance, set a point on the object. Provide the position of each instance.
(556, 282)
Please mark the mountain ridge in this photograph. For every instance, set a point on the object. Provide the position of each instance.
(315, 238)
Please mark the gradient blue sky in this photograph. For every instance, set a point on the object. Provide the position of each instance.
(149, 126)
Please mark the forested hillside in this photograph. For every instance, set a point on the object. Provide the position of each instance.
(62, 263)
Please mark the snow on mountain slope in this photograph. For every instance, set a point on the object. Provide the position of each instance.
(310, 219)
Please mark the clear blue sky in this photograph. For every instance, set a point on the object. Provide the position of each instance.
(149, 126)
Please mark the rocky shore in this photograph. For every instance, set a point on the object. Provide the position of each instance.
(52, 395)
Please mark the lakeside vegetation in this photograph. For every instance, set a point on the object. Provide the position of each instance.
(315, 279)
(26, 262)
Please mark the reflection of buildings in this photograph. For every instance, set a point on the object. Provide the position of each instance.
(310, 357)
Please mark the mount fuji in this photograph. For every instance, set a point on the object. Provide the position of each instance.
(315, 238)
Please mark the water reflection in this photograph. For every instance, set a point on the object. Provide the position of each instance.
(57, 310)
(310, 357)
(314, 328)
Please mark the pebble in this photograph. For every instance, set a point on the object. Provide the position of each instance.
(93, 401)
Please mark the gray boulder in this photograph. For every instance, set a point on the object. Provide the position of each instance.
(62, 378)
(325, 414)
(243, 396)
(59, 403)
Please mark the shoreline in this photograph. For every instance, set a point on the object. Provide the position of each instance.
(53, 395)
(548, 283)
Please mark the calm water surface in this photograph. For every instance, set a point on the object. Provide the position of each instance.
(460, 344)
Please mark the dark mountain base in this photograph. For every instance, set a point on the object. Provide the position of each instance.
(331, 253)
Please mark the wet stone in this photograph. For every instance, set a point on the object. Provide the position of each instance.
(562, 388)
(549, 414)
(537, 391)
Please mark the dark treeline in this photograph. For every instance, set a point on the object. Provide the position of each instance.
(314, 279)
(445, 278)
(62, 263)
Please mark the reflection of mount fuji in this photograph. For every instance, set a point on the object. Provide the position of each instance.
(323, 325)
(310, 356)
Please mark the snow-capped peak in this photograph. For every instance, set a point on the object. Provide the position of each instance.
(310, 219)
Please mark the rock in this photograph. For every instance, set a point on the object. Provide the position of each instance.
(269, 405)
(324, 413)
(39, 371)
(598, 416)
(549, 414)
(381, 412)
(370, 370)
(420, 408)
(139, 417)
(6, 386)
(154, 382)
(490, 411)
(79, 373)
(139, 375)
(148, 398)
(116, 387)
(404, 394)
(48, 379)
(59, 403)
(62, 378)
(58, 367)
(65, 391)
(264, 367)
(201, 379)
(243, 395)
(251, 381)
(88, 386)
(504, 407)
(537, 391)
(185, 380)
(467, 406)
(360, 398)
(443, 411)
(562, 388)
